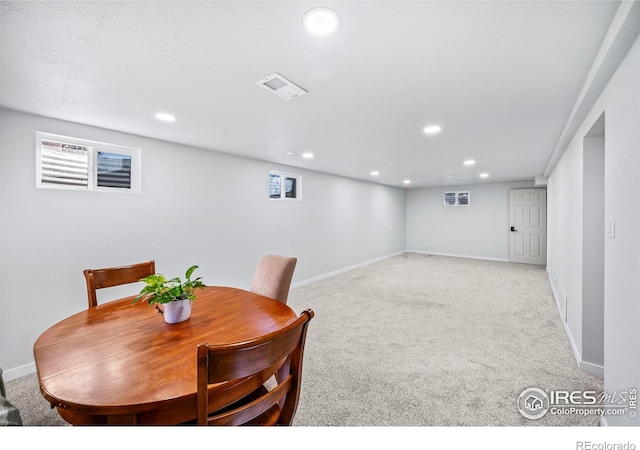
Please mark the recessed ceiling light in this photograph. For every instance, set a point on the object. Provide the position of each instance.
(166, 117)
(469, 162)
(321, 21)
(432, 129)
(307, 155)
(375, 173)
(291, 153)
(407, 181)
(484, 175)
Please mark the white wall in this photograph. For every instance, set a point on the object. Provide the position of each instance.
(593, 251)
(196, 207)
(620, 101)
(564, 249)
(480, 230)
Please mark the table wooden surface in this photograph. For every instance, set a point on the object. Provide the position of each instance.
(121, 363)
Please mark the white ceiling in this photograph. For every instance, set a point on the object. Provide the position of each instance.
(501, 78)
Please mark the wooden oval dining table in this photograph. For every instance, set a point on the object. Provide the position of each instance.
(120, 363)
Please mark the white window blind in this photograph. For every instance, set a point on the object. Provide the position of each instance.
(114, 170)
(64, 162)
(449, 198)
(275, 185)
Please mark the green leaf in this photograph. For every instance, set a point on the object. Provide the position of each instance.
(190, 270)
(160, 290)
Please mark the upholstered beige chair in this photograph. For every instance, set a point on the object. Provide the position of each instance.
(273, 277)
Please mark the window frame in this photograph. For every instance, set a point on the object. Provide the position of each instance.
(93, 148)
(283, 192)
(457, 195)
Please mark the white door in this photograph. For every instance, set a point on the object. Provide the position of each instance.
(528, 226)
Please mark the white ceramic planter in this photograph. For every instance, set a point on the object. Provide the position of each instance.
(175, 312)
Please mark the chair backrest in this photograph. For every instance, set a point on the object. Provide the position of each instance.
(273, 277)
(115, 276)
(235, 361)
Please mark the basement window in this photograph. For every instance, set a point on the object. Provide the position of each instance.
(285, 186)
(457, 198)
(64, 162)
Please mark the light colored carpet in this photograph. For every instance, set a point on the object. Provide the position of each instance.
(419, 340)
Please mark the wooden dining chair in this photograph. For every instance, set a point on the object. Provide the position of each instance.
(277, 406)
(272, 277)
(115, 276)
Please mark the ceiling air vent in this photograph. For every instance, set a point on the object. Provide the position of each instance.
(281, 87)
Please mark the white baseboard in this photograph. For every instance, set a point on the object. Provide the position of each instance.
(17, 372)
(27, 369)
(343, 270)
(453, 255)
(574, 348)
(594, 369)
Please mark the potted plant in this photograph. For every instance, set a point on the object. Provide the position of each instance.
(173, 294)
